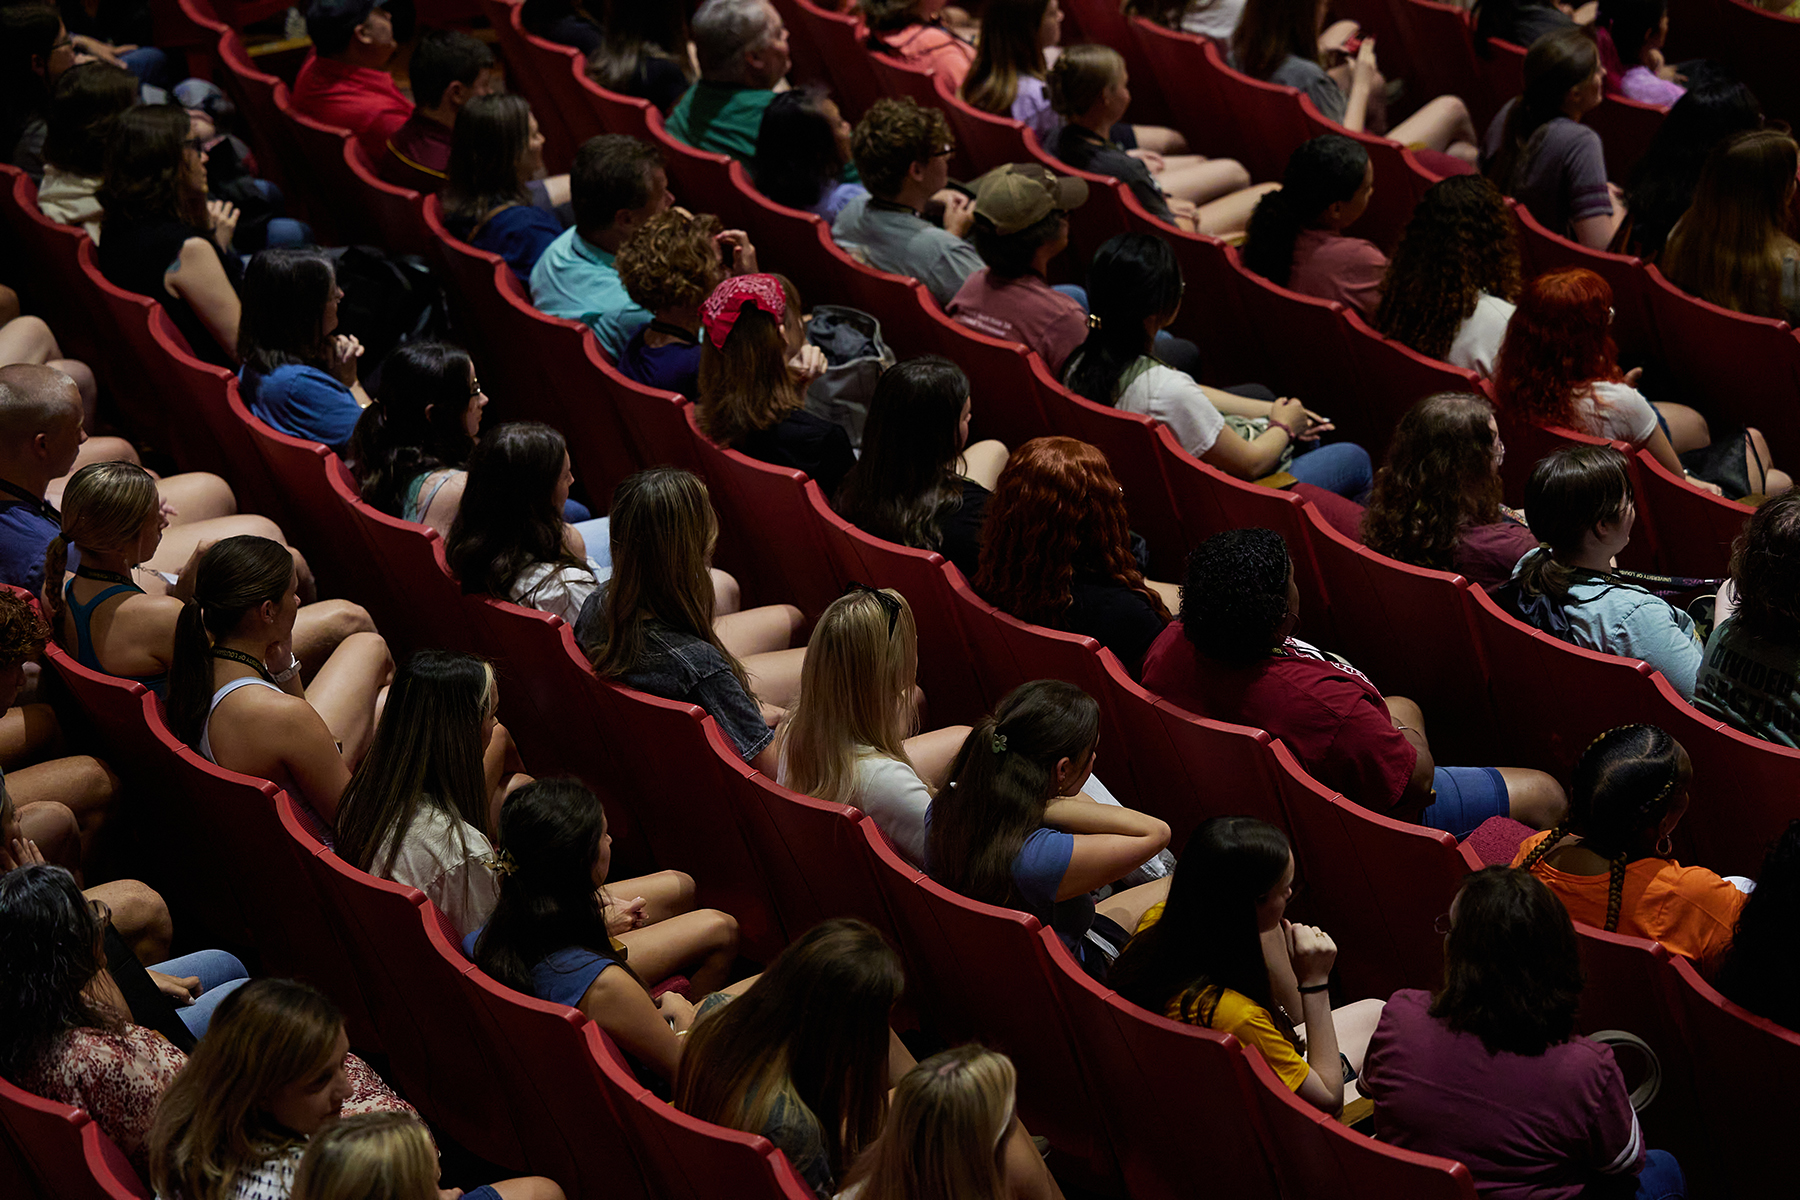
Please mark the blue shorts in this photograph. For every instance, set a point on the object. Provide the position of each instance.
(1466, 796)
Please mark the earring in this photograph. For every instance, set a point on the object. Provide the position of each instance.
(1664, 847)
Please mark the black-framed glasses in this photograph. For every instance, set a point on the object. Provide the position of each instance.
(474, 389)
(889, 604)
(945, 152)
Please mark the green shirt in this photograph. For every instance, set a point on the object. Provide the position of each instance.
(722, 117)
(1750, 683)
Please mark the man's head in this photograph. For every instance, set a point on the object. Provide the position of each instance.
(897, 142)
(617, 184)
(1020, 210)
(358, 32)
(449, 68)
(740, 41)
(40, 422)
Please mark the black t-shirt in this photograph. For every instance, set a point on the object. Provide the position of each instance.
(136, 256)
(1083, 151)
(1117, 617)
(961, 530)
(807, 442)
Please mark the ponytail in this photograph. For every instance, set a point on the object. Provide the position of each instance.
(1134, 276)
(190, 675)
(1555, 63)
(234, 576)
(56, 563)
(1571, 490)
(104, 507)
(1322, 172)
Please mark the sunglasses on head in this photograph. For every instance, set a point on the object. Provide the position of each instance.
(889, 604)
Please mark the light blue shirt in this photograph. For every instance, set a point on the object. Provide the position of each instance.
(1622, 619)
(576, 279)
(906, 244)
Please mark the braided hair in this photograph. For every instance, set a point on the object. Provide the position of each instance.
(1623, 786)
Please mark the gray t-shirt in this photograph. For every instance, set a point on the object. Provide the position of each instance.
(1751, 684)
(1561, 175)
(904, 243)
(1320, 88)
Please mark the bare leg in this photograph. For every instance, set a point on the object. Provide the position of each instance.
(775, 677)
(1534, 797)
(982, 462)
(932, 753)
(665, 894)
(1160, 139)
(759, 630)
(179, 541)
(703, 942)
(94, 450)
(1759, 466)
(1441, 124)
(322, 627)
(9, 305)
(344, 691)
(1687, 428)
(55, 830)
(728, 594)
(1355, 1024)
(139, 915)
(83, 783)
(1201, 180)
(28, 733)
(197, 496)
(83, 375)
(1129, 906)
(1231, 214)
(531, 1187)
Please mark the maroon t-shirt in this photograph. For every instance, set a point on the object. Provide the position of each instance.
(1528, 1127)
(1331, 717)
(1487, 554)
(1334, 267)
(418, 155)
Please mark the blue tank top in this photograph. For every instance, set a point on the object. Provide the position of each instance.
(83, 614)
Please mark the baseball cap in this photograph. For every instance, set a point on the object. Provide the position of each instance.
(1019, 195)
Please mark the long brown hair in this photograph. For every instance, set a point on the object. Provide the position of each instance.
(1555, 63)
(1459, 244)
(1057, 512)
(745, 384)
(104, 507)
(1006, 52)
(1270, 30)
(1440, 478)
(1729, 247)
(146, 169)
(234, 576)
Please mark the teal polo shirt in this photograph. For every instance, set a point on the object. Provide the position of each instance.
(576, 279)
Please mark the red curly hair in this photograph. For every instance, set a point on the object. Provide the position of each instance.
(1057, 511)
(1559, 341)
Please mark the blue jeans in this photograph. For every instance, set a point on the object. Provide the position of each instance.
(1661, 1178)
(150, 65)
(220, 975)
(1342, 468)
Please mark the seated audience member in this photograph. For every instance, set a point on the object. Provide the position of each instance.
(802, 152)
(1296, 237)
(88, 100)
(1489, 1070)
(755, 366)
(448, 68)
(655, 626)
(1759, 967)
(160, 236)
(1088, 90)
(669, 269)
(913, 32)
(274, 1070)
(1214, 19)
(850, 738)
(1436, 501)
(1559, 368)
(1056, 551)
(1220, 954)
(1732, 248)
(120, 35)
(1580, 506)
(419, 808)
(72, 1037)
(1538, 152)
(1637, 31)
(742, 49)
(1021, 224)
(35, 52)
(42, 441)
(565, 21)
(805, 1055)
(1233, 657)
(509, 539)
(411, 450)
(1287, 42)
(953, 1118)
(1450, 287)
(903, 153)
(345, 82)
(299, 374)
(1012, 828)
(1522, 22)
(235, 692)
(644, 52)
(1609, 861)
(494, 196)
(1663, 182)
(918, 481)
(1135, 290)
(616, 185)
(561, 933)
(28, 341)
(1747, 678)
(390, 1156)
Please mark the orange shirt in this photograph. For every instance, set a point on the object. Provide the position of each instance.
(1690, 910)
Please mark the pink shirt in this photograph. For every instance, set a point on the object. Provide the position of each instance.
(1334, 267)
(931, 45)
(1026, 310)
(363, 100)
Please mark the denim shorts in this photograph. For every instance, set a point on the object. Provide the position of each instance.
(1466, 796)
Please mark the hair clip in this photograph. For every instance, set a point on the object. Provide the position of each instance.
(502, 864)
(1094, 321)
(999, 743)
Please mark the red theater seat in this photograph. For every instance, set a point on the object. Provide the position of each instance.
(64, 1152)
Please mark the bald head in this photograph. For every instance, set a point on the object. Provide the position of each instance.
(36, 400)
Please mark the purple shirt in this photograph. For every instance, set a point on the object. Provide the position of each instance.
(1542, 1127)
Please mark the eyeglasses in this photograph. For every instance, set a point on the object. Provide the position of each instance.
(195, 144)
(889, 604)
(946, 152)
(474, 389)
(1442, 925)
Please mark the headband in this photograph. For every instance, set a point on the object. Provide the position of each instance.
(720, 311)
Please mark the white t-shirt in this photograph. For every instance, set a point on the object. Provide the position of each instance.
(1218, 20)
(1478, 339)
(892, 793)
(460, 882)
(1613, 410)
(552, 589)
(1173, 398)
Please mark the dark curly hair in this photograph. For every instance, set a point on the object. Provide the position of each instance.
(50, 943)
(1765, 564)
(672, 261)
(22, 632)
(1057, 512)
(1459, 244)
(1512, 971)
(1760, 970)
(1235, 595)
(1440, 478)
(892, 136)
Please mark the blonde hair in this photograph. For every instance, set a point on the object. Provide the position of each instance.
(855, 691)
(104, 508)
(1081, 74)
(945, 1137)
(374, 1156)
